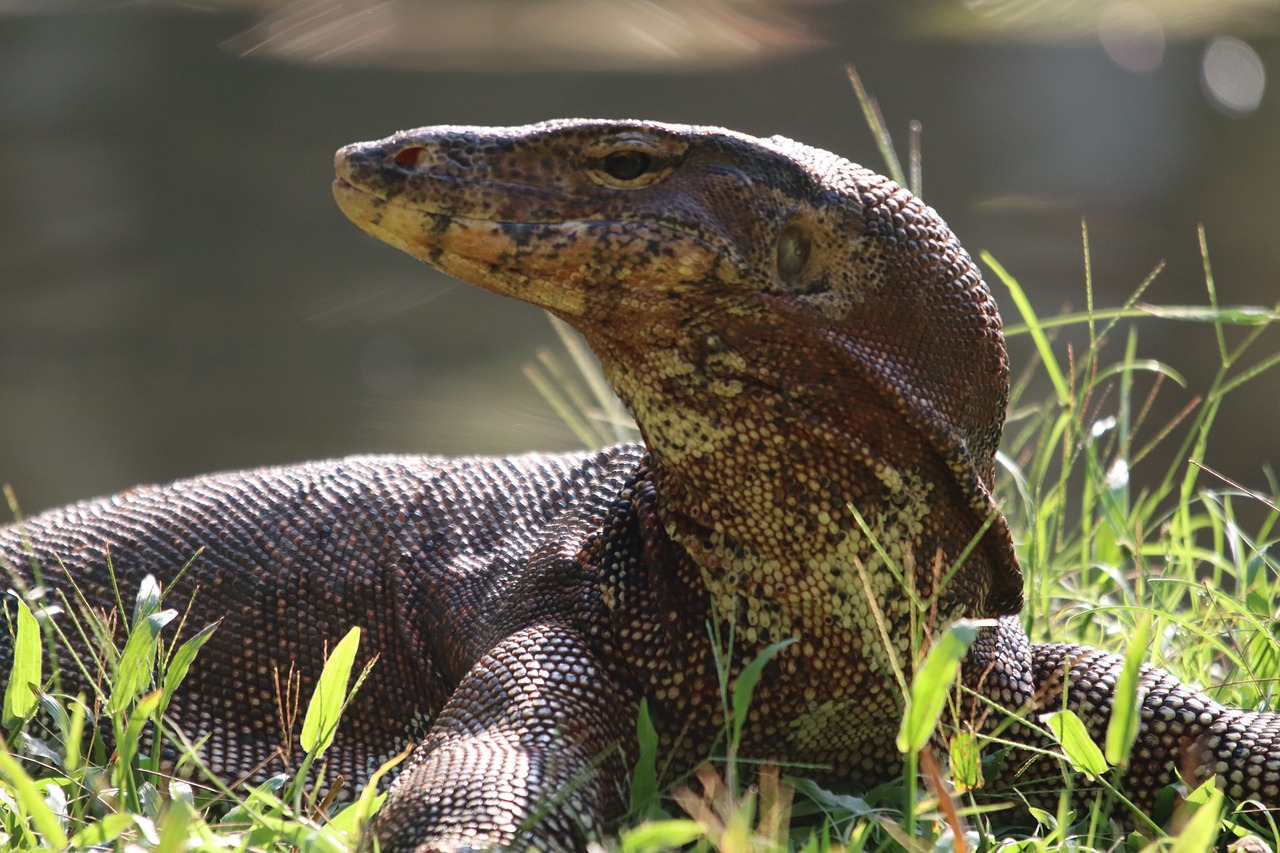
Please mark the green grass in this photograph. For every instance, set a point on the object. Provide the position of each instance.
(62, 788)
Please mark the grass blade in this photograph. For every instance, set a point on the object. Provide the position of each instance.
(1200, 833)
(1076, 744)
(1122, 731)
(745, 685)
(134, 670)
(871, 111)
(330, 695)
(1033, 325)
(142, 713)
(181, 662)
(30, 801)
(932, 685)
(26, 676)
(644, 779)
(127, 748)
(369, 800)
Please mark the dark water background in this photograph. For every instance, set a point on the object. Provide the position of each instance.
(178, 293)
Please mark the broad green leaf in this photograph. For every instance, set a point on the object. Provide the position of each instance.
(661, 835)
(174, 825)
(644, 779)
(325, 706)
(1076, 744)
(52, 705)
(745, 685)
(1200, 833)
(133, 672)
(39, 749)
(180, 789)
(55, 796)
(932, 685)
(149, 798)
(846, 805)
(347, 819)
(104, 831)
(21, 693)
(1122, 731)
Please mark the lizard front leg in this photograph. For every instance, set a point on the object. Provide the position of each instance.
(529, 752)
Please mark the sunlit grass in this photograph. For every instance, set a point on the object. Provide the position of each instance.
(62, 787)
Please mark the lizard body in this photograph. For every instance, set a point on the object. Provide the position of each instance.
(795, 336)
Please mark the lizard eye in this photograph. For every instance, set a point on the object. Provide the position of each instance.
(631, 159)
(793, 251)
(626, 165)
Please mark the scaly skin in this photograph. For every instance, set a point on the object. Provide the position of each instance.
(794, 335)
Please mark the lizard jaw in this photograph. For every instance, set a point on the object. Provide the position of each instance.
(554, 264)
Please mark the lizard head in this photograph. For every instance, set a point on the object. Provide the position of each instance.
(698, 262)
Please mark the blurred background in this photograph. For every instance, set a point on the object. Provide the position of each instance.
(178, 293)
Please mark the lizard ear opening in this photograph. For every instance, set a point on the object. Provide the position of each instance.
(793, 251)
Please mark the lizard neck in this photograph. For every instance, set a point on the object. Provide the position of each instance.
(757, 462)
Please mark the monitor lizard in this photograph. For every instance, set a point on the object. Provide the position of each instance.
(797, 338)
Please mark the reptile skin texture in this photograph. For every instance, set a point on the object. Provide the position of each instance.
(797, 337)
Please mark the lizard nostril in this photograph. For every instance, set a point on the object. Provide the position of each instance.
(411, 157)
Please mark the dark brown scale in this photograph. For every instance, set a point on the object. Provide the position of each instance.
(520, 608)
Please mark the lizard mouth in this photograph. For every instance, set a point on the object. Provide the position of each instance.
(389, 217)
(344, 191)
(430, 233)
(527, 259)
